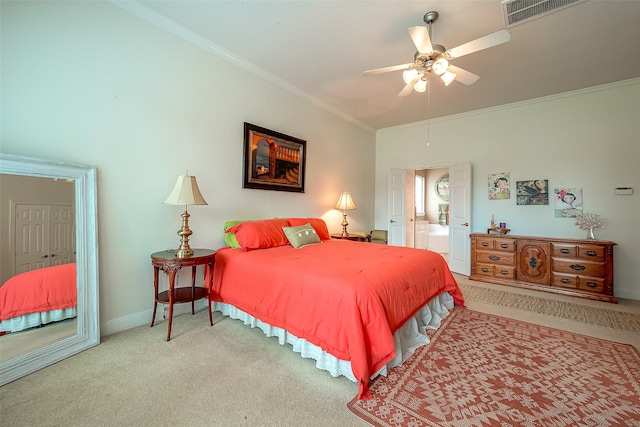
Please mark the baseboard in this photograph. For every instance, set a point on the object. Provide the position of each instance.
(144, 318)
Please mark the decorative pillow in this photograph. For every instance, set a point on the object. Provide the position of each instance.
(301, 235)
(260, 234)
(230, 238)
(317, 223)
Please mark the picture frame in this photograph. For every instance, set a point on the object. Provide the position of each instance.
(273, 160)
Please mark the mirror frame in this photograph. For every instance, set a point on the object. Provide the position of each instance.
(88, 319)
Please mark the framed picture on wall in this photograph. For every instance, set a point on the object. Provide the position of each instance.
(273, 160)
(532, 192)
(567, 202)
(499, 184)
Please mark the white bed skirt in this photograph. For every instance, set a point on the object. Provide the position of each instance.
(408, 338)
(19, 323)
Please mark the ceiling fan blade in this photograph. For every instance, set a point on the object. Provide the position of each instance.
(420, 37)
(463, 76)
(409, 87)
(493, 39)
(387, 69)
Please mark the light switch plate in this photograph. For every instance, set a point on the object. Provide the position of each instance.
(624, 190)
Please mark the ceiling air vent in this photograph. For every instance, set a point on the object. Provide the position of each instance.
(518, 11)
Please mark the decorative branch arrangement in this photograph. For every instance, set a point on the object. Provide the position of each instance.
(590, 221)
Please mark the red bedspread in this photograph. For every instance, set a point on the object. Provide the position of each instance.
(45, 289)
(346, 297)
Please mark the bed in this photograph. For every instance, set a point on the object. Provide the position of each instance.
(354, 307)
(38, 297)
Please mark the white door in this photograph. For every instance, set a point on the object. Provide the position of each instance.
(397, 207)
(44, 236)
(62, 237)
(460, 218)
(32, 237)
(410, 207)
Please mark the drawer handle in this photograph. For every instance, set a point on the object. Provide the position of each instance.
(485, 270)
(591, 284)
(504, 245)
(485, 244)
(591, 253)
(565, 281)
(564, 251)
(494, 258)
(533, 263)
(504, 272)
(578, 267)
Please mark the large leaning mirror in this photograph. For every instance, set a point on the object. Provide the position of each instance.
(48, 225)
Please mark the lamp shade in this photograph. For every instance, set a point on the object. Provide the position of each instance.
(186, 192)
(345, 202)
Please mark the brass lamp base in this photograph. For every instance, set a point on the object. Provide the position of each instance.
(344, 225)
(185, 251)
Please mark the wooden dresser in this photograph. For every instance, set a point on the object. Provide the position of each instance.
(575, 267)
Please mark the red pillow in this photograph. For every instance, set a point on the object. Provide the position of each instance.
(317, 223)
(260, 234)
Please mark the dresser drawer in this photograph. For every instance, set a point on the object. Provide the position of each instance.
(564, 280)
(485, 270)
(484, 243)
(564, 251)
(593, 284)
(579, 267)
(496, 258)
(489, 270)
(592, 252)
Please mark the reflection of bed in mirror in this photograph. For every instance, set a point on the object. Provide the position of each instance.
(63, 226)
(37, 298)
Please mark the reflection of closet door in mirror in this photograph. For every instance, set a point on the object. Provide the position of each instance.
(48, 228)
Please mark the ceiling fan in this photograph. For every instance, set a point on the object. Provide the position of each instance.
(434, 58)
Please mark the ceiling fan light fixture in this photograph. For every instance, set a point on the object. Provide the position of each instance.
(421, 85)
(409, 75)
(447, 77)
(440, 66)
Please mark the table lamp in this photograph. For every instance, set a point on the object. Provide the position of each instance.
(345, 202)
(185, 192)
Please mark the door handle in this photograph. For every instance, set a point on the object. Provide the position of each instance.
(45, 256)
(466, 224)
(391, 221)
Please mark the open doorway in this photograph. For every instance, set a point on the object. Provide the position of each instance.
(431, 190)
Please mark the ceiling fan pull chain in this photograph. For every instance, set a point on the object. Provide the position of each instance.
(428, 119)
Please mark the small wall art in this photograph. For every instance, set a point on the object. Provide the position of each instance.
(273, 160)
(499, 186)
(567, 202)
(532, 192)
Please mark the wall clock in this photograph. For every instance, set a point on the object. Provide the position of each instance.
(442, 187)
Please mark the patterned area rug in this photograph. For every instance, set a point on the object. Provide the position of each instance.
(613, 319)
(485, 370)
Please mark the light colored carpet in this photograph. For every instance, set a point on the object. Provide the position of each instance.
(225, 375)
(608, 318)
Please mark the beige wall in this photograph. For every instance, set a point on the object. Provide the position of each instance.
(585, 139)
(89, 82)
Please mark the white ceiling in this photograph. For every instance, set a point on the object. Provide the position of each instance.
(321, 48)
